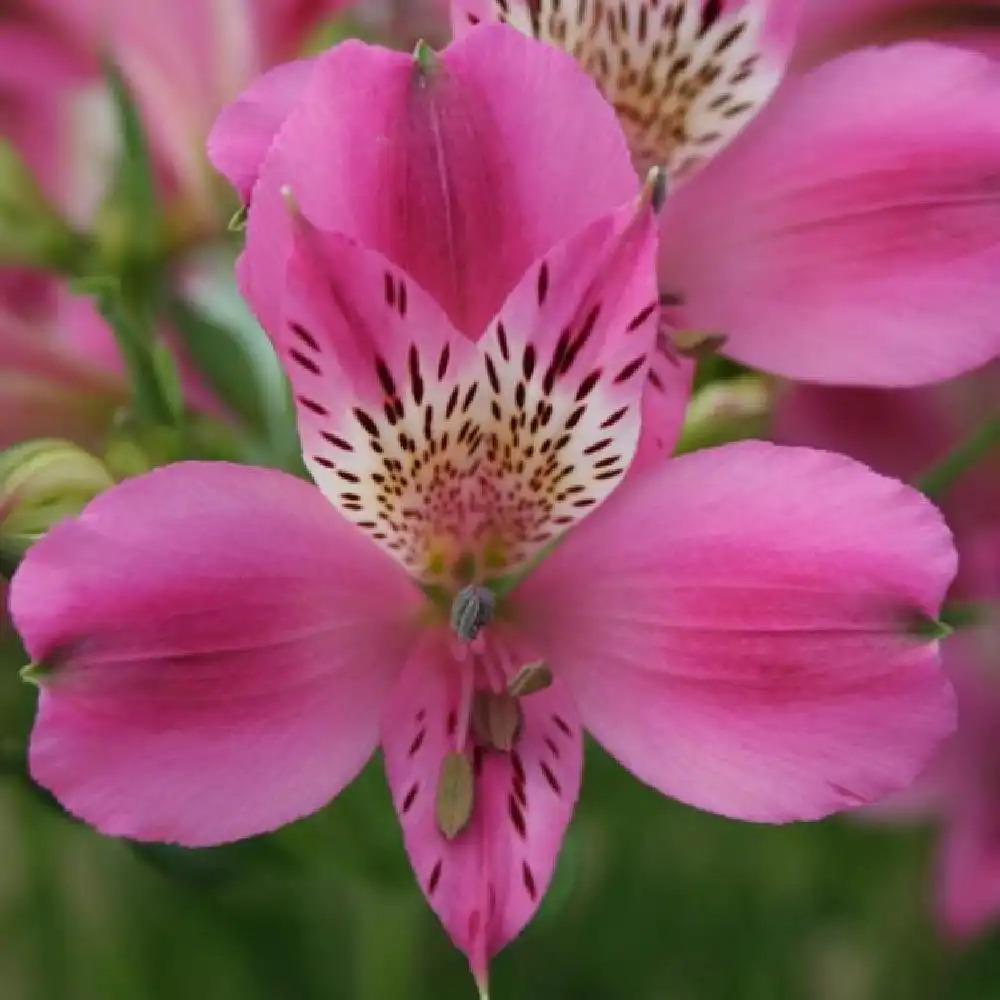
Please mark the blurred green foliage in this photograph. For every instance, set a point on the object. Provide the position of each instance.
(652, 901)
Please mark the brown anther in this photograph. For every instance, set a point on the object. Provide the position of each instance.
(696, 343)
(530, 678)
(455, 795)
(497, 720)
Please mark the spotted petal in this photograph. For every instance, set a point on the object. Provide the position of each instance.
(444, 450)
(684, 75)
(487, 882)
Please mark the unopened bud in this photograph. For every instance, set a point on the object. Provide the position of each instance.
(42, 482)
(32, 232)
(497, 720)
(729, 410)
(455, 795)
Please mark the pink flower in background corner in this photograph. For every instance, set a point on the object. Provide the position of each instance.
(827, 235)
(184, 60)
(55, 380)
(241, 641)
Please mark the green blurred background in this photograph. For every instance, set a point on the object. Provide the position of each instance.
(652, 901)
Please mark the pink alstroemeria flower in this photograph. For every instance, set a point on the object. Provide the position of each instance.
(830, 235)
(220, 649)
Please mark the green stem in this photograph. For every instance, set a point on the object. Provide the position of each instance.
(387, 948)
(941, 477)
(46, 914)
(150, 401)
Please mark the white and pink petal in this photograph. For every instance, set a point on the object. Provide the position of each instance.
(446, 451)
(684, 76)
(847, 238)
(486, 882)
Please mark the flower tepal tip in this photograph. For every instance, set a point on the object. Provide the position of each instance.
(654, 191)
(424, 58)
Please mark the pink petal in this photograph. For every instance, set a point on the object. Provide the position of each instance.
(898, 432)
(865, 226)
(830, 28)
(916, 430)
(426, 171)
(245, 130)
(441, 449)
(664, 402)
(486, 884)
(969, 876)
(216, 646)
(685, 78)
(734, 628)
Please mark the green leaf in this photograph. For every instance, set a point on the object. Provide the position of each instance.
(227, 344)
(151, 398)
(220, 355)
(169, 380)
(135, 189)
(978, 446)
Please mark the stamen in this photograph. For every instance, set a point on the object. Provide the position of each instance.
(530, 678)
(497, 720)
(455, 795)
(472, 609)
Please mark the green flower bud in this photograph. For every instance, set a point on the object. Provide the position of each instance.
(32, 232)
(42, 482)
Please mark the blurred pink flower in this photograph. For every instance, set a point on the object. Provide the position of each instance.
(830, 27)
(220, 648)
(184, 60)
(829, 234)
(55, 376)
(964, 786)
(59, 371)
